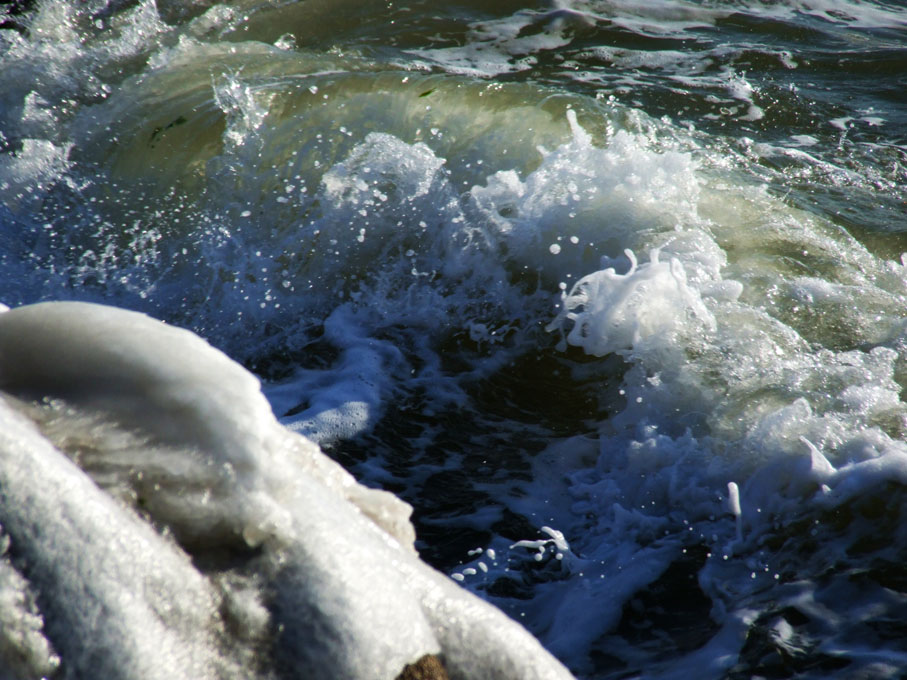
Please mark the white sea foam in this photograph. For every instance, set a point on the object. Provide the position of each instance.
(588, 200)
(852, 13)
(679, 16)
(726, 431)
(513, 43)
(613, 312)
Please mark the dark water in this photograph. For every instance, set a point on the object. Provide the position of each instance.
(383, 209)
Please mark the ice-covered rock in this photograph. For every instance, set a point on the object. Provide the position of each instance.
(166, 525)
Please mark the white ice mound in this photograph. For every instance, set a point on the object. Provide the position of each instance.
(612, 312)
(167, 526)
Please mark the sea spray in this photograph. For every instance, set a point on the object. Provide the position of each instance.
(611, 312)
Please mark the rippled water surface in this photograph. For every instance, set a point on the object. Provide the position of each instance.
(612, 292)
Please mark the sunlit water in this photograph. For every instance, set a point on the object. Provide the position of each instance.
(611, 292)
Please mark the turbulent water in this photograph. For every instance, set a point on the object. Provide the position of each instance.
(612, 292)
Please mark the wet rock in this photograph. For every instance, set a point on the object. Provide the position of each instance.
(429, 667)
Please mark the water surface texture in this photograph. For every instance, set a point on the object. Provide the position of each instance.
(612, 292)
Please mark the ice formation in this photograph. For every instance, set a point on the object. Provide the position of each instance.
(162, 524)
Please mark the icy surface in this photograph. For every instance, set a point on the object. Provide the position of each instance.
(199, 532)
